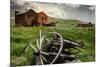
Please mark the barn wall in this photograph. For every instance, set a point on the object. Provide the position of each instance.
(42, 18)
(31, 18)
(19, 20)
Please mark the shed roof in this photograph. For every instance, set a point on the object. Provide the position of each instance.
(23, 12)
(42, 13)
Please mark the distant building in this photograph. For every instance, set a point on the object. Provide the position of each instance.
(30, 18)
(85, 24)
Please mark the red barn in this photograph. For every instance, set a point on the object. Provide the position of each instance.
(42, 18)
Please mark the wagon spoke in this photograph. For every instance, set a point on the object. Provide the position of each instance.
(44, 58)
(32, 41)
(40, 38)
(37, 60)
(37, 44)
(41, 59)
(33, 47)
(44, 53)
(27, 47)
(53, 53)
(41, 41)
(45, 45)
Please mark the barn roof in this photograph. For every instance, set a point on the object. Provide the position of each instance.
(30, 10)
(24, 11)
(42, 13)
(20, 12)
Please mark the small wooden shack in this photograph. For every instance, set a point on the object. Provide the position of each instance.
(42, 18)
(30, 18)
(85, 24)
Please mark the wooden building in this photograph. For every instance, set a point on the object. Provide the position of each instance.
(42, 18)
(86, 24)
(30, 18)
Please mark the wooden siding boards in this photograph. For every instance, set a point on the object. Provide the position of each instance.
(42, 18)
(30, 18)
(19, 19)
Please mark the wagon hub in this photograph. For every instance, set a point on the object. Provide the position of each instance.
(37, 53)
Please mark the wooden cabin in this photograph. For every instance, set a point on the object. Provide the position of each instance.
(88, 24)
(42, 18)
(30, 18)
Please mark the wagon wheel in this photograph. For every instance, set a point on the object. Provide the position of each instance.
(46, 52)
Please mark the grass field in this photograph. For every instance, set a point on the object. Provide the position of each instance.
(20, 36)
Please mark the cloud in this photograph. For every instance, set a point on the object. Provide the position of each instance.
(21, 5)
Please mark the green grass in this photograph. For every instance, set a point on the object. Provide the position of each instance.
(20, 36)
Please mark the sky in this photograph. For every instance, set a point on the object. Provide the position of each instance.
(84, 13)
